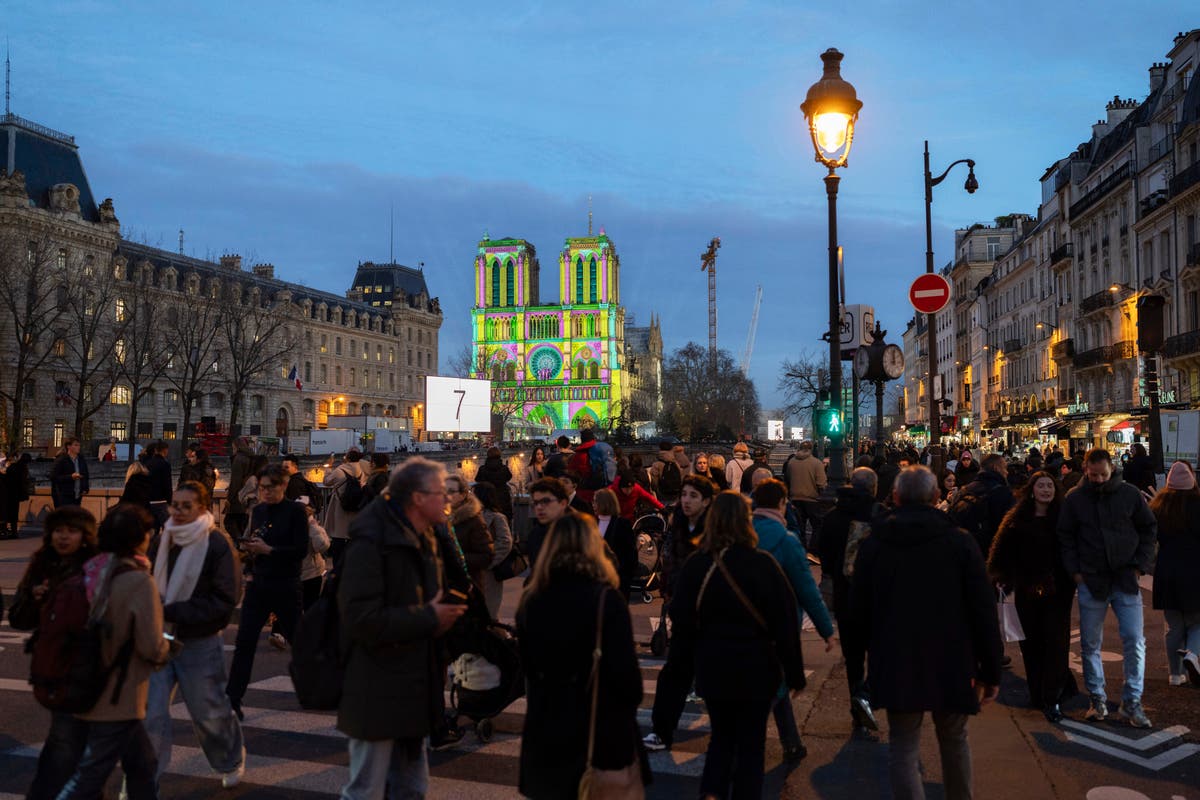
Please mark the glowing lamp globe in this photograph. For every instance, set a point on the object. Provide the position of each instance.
(831, 108)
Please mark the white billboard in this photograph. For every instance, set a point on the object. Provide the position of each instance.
(458, 405)
(775, 430)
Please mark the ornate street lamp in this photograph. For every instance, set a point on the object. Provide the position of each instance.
(831, 109)
(935, 420)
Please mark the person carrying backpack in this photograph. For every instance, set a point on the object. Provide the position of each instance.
(68, 541)
(666, 477)
(125, 602)
(592, 460)
(981, 505)
(557, 463)
(346, 480)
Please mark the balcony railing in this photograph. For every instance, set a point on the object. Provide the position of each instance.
(1062, 253)
(1063, 350)
(1185, 344)
(1185, 180)
(1103, 356)
(1012, 345)
(1096, 302)
(1096, 195)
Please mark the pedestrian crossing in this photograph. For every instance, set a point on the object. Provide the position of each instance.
(301, 753)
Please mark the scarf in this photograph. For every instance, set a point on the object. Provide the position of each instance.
(192, 538)
(97, 568)
(771, 513)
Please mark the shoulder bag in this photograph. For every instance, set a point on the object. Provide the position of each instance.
(606, 784)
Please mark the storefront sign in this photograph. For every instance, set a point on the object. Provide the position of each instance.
(1164, 396)
(1078, 408)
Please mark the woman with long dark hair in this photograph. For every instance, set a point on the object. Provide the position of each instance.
(1025, 560)
(1177, 571)
(573, 584)
(736, 618)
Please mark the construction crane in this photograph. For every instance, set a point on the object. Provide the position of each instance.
(708, 261)
(749, 351)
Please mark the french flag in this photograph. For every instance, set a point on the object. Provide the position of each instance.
(294, 376)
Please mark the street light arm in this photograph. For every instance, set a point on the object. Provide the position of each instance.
(931, 182)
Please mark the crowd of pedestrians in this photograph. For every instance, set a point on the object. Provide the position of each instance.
(912, 561)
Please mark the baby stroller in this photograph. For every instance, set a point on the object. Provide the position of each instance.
(649, 532)
(487, 674)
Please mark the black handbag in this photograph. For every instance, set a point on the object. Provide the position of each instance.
(513, 564)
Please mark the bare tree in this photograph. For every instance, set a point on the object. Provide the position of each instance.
(705, 398)
(32, 303)
(460, 362)
(193, 327)
(88, 331)
(256, 340)
(143, 350)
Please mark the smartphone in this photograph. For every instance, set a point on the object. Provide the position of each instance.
(168, 637)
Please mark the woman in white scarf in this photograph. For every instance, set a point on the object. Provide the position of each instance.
(199, 578)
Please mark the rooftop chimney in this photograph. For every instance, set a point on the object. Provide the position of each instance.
(1119, 109)
(1158, 74)
(232, 262)
(264, 270)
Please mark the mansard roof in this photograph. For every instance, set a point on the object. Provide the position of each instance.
(47, 158)
(396, 276)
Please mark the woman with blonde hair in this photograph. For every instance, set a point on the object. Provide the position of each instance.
(572, 586)
(735, 617)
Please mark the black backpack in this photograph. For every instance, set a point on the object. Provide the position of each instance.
(351, 495)
(970, 512)
(317, 667)
(670, 480)
(556, 465)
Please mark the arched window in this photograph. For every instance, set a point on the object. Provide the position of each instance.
(592, 280)
(579, 279)
(594, 371)
(510, 294)
(510, 372)
(495, 299)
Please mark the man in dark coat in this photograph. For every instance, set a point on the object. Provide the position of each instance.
(497, 473)
(236, 515)
(1107, 534)
(982, 503)
(922, 597)
(550, 500)
(69, 475)
(393, 608)
(160, 481)
(856, 507)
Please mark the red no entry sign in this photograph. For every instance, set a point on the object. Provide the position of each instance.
(929, 293)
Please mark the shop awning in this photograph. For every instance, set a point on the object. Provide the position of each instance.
(1126, 424)
(1057, 428)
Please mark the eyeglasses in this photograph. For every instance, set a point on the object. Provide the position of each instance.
(545, 501)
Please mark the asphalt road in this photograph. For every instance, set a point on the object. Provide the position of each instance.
(297, 755)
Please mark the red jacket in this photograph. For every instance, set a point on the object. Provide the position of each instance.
(629, 501)
(580, 463)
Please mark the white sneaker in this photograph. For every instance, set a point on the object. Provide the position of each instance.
(654, 743)
(1177, 680)
(232, 779)
(278, 642)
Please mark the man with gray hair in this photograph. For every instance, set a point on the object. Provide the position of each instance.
(843, 531)
(922, 598)
(394, 603)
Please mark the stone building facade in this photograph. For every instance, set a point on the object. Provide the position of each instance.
(367, 352)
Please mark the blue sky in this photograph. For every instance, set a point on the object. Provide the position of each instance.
(287, 131)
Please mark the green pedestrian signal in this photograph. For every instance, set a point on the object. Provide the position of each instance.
(829, 422)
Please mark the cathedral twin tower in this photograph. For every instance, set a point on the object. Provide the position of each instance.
(551, 366)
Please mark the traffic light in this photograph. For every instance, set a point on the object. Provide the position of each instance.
(829, 422)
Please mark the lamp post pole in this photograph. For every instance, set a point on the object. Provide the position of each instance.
(935, 420)
(837, 459)
(831, 108)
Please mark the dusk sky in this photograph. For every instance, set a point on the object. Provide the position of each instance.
(287, 131)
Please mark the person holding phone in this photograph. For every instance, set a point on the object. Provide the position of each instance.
(278, 541)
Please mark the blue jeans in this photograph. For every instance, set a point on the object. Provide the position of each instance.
(1183, 633)
(108, 743)
(1128, 608)
(198, 670)
(398, 766)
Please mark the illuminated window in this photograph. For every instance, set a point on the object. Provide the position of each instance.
(57, 439)
(120, 313)
(118, 429)
(28, 425)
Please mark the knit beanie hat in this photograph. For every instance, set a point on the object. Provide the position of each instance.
(1180, 477)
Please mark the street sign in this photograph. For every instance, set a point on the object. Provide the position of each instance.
(929, 293)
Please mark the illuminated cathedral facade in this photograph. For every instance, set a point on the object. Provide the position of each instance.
(552, 366)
